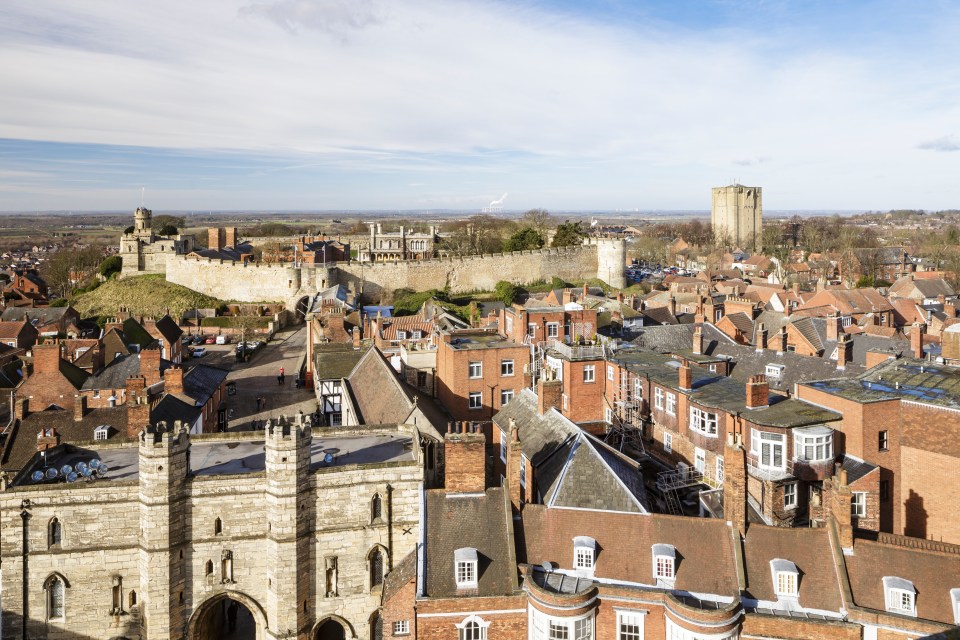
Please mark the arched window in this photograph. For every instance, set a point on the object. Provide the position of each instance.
(56, 596)
(376, 568)
(55, 533)
(133, 598)
(376, 508)
(473, 628)
(209, 567)
(376, 627)
(217, 527)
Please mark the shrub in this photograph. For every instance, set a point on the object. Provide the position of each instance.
(506, 292)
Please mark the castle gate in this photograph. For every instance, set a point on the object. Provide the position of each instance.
(228, 616)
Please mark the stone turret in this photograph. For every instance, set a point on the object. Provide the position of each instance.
(164, 463)
(612, 261)
(288, 515)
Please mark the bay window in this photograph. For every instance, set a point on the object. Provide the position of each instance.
(814, 444)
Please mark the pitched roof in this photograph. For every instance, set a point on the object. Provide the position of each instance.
(115, 375)
(10, 330)
(201, 382)
(335, 360)
(168, 328)
(479, 522)
(134, 333)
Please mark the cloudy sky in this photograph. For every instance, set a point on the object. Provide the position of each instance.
(420, 104)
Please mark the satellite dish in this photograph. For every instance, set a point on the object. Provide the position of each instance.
(86, 471)
(66, 470)
(72, 476)
(82, 466)
(93, 464)
(547, 566)
(102, 469)
(328, 459)
(52, 473)
(37, 475)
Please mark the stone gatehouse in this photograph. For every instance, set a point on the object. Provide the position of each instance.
(282, 534)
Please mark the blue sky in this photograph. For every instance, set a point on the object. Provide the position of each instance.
(424, 104)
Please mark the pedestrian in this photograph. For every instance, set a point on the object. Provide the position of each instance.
(281, 371)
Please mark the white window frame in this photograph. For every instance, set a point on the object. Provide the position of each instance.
(475, 370)
(589, 373)
(664, 564)
(637, 389)
(546, 627)
(790, 495)
(668, 442)
(509, 324)
(671, 404)
(610, 372)
(786, 578)
(506, 395)
(482, 626)
(401, 627)
(818, 441)
(772, 442)
(720, 470)
(658, 398)
(608, 415)
(676, 632)
(774, 371)
(416, 335)
(503, 446)
(584, 554)
(631, 619)
(475, 400)
(465, 568)
(700, 460)
(858, 504)
(532, 329)
(897, 593)
(523, 471)
(506, 368)
(704, 422)
(955, 601)
(401, 335)
(102, 432)
(553, 329)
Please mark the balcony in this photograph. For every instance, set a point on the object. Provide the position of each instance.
(577, 352)
(755, 469)
(683, 477)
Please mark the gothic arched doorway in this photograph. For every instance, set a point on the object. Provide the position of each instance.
(302, 308)
(330, 629)
(228, 616)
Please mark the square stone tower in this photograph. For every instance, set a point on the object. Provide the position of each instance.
(736, 214)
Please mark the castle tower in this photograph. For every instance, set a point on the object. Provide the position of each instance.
(142, 222)
(612, 261)
(290, 594)
(164, 461)
(736, 215)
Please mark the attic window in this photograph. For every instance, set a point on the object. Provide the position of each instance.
(786, 578)
(416, 335)
(774, 370)
(101, 433)
(465, 563)
(401, 335)
(900, 595)
(664, 564)
(584, 551)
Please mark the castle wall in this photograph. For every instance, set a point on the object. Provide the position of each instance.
(242, 282)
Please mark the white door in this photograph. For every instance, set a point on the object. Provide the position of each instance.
(700, 460)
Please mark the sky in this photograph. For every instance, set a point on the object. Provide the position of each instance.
(449, 104)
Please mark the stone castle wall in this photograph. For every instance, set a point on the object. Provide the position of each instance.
(284, 283)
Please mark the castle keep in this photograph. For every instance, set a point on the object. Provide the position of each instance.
(143, 251)
(736, 213)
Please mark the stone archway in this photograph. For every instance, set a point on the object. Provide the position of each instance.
(333, 628)
(302, 308)
(228, 616)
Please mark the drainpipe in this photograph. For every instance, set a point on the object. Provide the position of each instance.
(390, 527)
(25, 516)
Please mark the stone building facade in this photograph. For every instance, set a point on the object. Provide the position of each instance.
(736, 213)
(404, 244)
(143, 251)
(292, 533)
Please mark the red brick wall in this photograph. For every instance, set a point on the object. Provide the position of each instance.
(584, 400)
(799, 629)
(454, 383)
(401, 607)
(465, 462)
(503, 626)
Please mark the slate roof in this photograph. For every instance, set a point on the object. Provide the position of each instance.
(907, 379)
(481, 522)
(115, 376)
(742, 322)
(335, 360)
(171, 408)
(855, 467)
(540, 435)
(134, 333)
(168, 328)
(43, 315)
(21, 445)
(809, 549)
(201, 382)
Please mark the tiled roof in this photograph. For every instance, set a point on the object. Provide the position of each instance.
(134, 333)
(201, 382)
(168, 329)
(540, 435)
(335, 360)
(10, 330)
(115, 376)
(478, 522)
(595, 477)
(742, 322)
(808, 549)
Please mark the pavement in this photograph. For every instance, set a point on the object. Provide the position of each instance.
(258, 378)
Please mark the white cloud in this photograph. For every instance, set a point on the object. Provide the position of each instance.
(944, 143)
(370, 85)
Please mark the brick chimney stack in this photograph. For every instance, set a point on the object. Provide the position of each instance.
(356, 338)
(79, 407)
(672, 305)
(47, 439)
(150, 365)
(138, 406)
(950, 309)
(758, 392)
(782, 340)
(916, 340)
(514, 456)
(685, 375)
(230, 237)
(735, 483)
(844, 351)
(46, 357)
(586, 291)
(464, 454)
(549, 393)
(761, 337)
(834, 327)
(698, 339)
(172, 380)
(215, 238)
(840, 499)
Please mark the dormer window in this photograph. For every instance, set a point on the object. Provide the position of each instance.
(664, 564)
(900, 596)
(584, 552)
(465, 563)
(401, 335)
(101, 433)
(786, 578)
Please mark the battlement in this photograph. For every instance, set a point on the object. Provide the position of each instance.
(162, 436)
(284, 430)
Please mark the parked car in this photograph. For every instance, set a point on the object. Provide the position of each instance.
(210, 340)
(198, 339)
(223, 339)
(199, 352)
